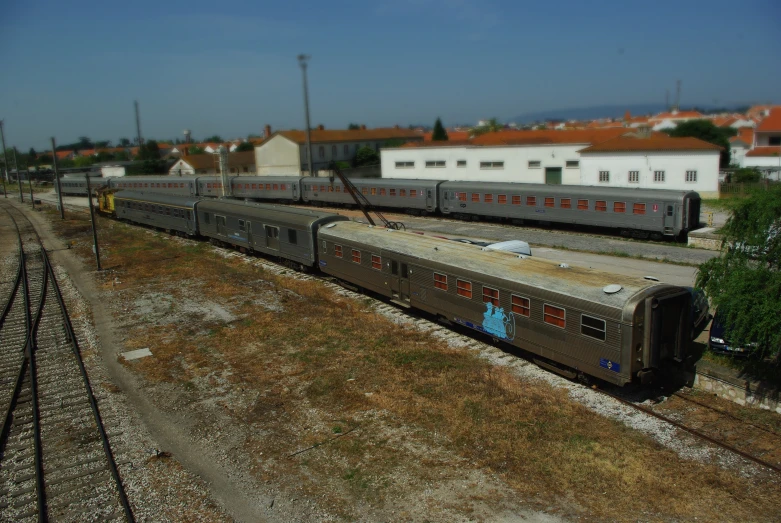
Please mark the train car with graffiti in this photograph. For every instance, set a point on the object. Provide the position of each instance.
(577, 321)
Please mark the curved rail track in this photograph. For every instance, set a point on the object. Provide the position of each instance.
(56, 463)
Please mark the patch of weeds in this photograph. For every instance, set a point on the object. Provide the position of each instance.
(356, 478)
(189, 386)
(337, 429)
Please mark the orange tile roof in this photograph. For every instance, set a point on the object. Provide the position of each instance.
(549, 136)
(87, 152)
(765, 151)
(63, 154)
(451, 135)
(757, 110)
(771, 123)
(657, 142)
(356, 135)
(448, 143)
(745, 135)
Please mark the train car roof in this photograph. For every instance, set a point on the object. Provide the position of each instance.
(157, 197)
(585, 190)
(153, 177)
(283, 213)
(578, 282)
(388, 182)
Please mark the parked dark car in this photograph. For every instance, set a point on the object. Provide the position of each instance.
(718, 341)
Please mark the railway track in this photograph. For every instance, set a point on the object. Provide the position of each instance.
(56, 463)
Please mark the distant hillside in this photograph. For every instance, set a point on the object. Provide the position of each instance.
(601, 111)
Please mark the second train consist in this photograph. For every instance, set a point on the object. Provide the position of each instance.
(579, 321)
(641, 213)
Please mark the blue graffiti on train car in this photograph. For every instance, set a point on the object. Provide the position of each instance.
(495, 323)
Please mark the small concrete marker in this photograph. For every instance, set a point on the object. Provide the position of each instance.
(136, 354)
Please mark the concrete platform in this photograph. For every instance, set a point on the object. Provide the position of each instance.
(706, 238)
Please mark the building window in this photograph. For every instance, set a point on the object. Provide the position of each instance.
(405, 165)
(571, 164)
(634, 176)
(554, 316)
(638, 208)
(475, 197)
(531, 201)
(520, 306)
(488, 198)
(461, 163)
(492, 165)
(333, 151)
(440, 281)
(346, 150)
(501, 199)
(338, 251)
(464, 288)
(356, 256)
(535, 164)
(658, 176)
(600, 206)
(516, 199)
(435, 163)
(321, 151)
(550, 202)
(376, 262)
(604, 176)
(565, 203)
(691, 176)
(774, 141)
(491, 296)
(592, 327)
(619, 206)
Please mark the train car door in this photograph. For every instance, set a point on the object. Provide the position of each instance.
(272, 237)
(221, 229)
(404, 282)
(669, 218)
(249, 234)
(446, 196)
(294, 187)
(431, 201)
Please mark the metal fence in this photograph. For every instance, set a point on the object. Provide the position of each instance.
(726, 189)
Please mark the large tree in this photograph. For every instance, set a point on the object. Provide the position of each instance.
(124, 142)
(245, 146)
(439, 134)
(213, 139)
(366, 156)
(149, 151)
(744, 283)
(706, 131)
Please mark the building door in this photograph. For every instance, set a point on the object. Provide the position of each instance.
(272, 237)
(553, 175)
(221, 229)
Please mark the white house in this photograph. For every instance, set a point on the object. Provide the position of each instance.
(543, 156)
(653, 162)
(766, 152)
(242, 163)
(670, 120)
(284, 152)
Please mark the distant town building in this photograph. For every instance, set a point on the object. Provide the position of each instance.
(239, 164)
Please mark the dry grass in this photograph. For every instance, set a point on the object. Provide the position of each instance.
(408, 393)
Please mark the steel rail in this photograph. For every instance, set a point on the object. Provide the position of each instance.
(88, 387)
(725, 413)
(40, 484)
(692, 431)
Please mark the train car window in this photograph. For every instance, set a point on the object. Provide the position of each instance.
(283, 187)
(402, 192)
(392, 192)
(356, 256)
(491, 296)
(554, 316)
(501, 199)
(440, 281)
(531, 200)
(413, 193)
(241, 225)
(582, 205)
(330, 188)
(168, 211)
(189, 215)
(462, 196)
(364, 190)
(338, 251)
(276, 186)
(464, 288)
(565, 203)
(550, 202)
(516, 199)
(292, 236)
(638, 208)
(669, 210)
(394, 267)
(619, 206)
(268, 186)
(600, 206)
(376, 262)
(520, 305)
(475, 197)
(374, 191)
(404, 270)
(382, 191)
(592, 327)
(339, 188)
(254, 185)
(325, 247)
(488, 198)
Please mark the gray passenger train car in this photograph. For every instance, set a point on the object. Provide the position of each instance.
(275, 188)
(614, 327)
(77, 185)
(640, 212)
(164, 211)
(174, 185)
(413, 196)
(275, 230)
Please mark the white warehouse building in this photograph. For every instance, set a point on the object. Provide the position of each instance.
(626, 159)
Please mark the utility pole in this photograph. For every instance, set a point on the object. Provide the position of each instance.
(5, 155)
(30, 184)
(302, 59)
(18, 178)
(92, 219)
(138, 126)
(57, 179)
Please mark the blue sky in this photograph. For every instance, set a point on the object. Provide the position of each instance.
(74, 68)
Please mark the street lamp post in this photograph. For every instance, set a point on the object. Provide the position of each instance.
(302, 60)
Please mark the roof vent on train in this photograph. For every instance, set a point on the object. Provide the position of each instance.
(612, 288)
(564, 266)
(651, 278)
(330, 225)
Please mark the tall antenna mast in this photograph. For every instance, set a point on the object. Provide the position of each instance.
(138, 124)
